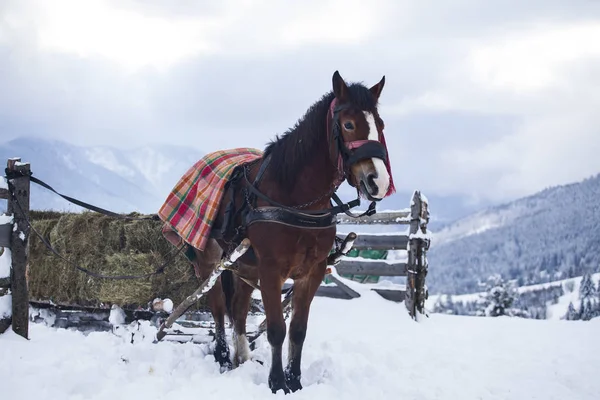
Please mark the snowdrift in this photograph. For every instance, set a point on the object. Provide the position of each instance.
(367, 348)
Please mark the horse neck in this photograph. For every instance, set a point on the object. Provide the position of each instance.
(313, 179)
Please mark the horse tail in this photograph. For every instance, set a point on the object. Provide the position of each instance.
(228, 285)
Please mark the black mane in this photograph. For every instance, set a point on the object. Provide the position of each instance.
(296, 147)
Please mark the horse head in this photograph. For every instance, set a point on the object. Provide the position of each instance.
(358, 145)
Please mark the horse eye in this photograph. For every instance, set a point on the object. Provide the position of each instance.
(349, 126)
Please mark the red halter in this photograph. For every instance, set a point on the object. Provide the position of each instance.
(356, 144)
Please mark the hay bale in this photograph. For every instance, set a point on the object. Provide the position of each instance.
(107, 246)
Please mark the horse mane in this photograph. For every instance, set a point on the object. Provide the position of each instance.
(298, 145)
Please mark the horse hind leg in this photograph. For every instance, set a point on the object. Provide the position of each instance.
(205, 262)
(240, 306)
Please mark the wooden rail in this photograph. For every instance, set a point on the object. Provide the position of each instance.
(401, 217)
(381, 242)
(371, 267)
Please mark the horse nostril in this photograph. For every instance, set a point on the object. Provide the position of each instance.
(372, 185)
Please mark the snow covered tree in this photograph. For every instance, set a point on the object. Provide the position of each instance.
(587, 310)
(572, 314)
(499, 297)
(587, 289)
(444, 305)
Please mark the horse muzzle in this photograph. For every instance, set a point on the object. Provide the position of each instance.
(373, 186)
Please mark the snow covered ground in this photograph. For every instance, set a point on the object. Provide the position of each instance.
(366, 348)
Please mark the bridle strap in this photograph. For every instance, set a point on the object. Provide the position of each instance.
(341, 207)
(349, 153)
(369, 149)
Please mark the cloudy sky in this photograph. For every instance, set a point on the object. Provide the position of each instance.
(486, 99)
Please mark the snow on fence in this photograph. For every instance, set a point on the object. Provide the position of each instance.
(14, 239)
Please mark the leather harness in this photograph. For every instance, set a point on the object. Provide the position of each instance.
(347, 153)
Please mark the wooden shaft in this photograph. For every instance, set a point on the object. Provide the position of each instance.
(203, 289)
(189, 301)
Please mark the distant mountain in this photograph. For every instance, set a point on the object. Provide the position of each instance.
(118, 180)
(139, 179)
(552, 235)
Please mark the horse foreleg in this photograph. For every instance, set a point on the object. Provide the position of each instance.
(270, 286)
(304, 292)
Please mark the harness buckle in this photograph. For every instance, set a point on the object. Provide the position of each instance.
(372, 209)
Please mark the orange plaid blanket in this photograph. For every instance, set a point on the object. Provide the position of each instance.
(190, 209)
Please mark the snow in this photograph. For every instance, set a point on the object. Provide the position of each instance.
(5, 266)
(107, 158)
(165, 305)
(366, 348)
(480, 222)
(3, 184)
(346, 229)
(5, 307)
(117, 315)
(5, 263)
(168, 305)
(369, 260)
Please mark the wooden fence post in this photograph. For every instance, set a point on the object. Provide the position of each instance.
(416, 267)
(19, 245)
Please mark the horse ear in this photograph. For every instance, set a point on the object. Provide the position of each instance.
(339, 86)
(376, 90)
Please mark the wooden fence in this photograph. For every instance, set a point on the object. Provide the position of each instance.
(415, 242)
(14, 235)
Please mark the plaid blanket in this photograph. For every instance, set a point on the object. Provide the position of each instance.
(190, 209)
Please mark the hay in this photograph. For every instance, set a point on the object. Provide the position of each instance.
(107, 246)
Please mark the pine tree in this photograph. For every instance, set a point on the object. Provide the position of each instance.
(498, 298)
(444, 305)
(572, 314)
(587, 311)
(587, 289)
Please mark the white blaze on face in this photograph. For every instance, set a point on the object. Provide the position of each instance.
(383, 178)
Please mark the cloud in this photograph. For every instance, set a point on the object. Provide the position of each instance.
(486, 99)
(541, 79)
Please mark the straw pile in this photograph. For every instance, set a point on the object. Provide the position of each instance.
(107, 246)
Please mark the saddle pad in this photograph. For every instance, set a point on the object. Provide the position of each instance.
(190, 209)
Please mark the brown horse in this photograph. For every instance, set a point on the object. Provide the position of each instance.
(282, 203)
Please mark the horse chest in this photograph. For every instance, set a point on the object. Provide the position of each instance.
(295, 247)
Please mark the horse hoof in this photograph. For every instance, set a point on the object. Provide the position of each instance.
(293, 382)
(225, 367)
(278, 384)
